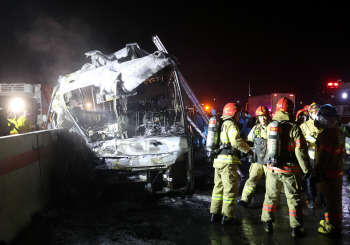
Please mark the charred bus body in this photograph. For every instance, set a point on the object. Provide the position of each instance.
(129, 109)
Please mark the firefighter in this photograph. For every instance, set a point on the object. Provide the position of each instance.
(311, 133)
(225, 189)
(346, 130)
(286, 168)
(301, 117)
(329, 164)
(258, 135)
(21, 122)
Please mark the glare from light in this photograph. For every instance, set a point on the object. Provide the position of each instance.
(344, 95)
(207, 107)
(291, 95)
(17, 105)
(88, 105)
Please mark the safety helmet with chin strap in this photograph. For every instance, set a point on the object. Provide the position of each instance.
(230, 109)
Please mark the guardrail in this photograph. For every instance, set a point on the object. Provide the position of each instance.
(27, 164)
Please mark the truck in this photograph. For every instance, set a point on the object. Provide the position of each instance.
(128, 108)
(337, 94)
(16, 97)
(268, 100)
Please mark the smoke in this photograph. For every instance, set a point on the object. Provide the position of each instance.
(52, 48)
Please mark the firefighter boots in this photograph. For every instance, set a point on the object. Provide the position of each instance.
(243, 203)
(214, 218)
(230, 220)
(298, 232)
(268, 227)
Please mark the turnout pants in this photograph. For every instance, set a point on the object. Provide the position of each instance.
(331, 188)
(256, 171)
(292, 184)
(225, 189)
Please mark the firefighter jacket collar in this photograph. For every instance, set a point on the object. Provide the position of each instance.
(225, 117)
(282, 116)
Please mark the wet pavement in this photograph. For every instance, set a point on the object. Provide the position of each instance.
(130, 216)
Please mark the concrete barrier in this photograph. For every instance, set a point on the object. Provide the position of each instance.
(26, 168)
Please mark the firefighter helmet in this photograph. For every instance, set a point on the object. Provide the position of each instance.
(327, 110)
(285, 105)
(230, 109)
(262, 110)
(301, 112)
(306, 108)
(314, 107)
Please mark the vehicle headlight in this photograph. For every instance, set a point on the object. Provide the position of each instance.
(17, 105)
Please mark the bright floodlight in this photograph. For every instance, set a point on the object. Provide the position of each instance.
(344, 95)
(17, 105)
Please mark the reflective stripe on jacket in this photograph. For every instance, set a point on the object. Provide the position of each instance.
(230, 135)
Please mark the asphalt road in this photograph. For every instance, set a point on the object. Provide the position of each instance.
(124, 215)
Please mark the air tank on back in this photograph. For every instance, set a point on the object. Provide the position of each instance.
(213, 134)
(274, 144)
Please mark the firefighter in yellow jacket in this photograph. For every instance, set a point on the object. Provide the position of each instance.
(311, 133)
(329, 164)
(22, 123)
(285, 168)
(257, 169)
(226, 177)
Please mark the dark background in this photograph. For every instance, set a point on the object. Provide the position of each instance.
(293, 47)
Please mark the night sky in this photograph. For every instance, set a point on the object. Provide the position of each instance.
(293, 47)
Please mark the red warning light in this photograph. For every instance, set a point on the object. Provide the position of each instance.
(333, 85)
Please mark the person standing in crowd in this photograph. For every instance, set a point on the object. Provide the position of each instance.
(311, 133)
(21, 122)
(249, 122)
(286, 169)
(198, 121)
(258, 135)
(328, 171)
(346, 130)
(301, 117)
(243, 123)
(225, 164)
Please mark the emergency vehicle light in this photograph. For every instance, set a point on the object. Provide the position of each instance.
(332, 85)
(17, 105)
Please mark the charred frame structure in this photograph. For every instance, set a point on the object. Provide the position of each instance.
(129, 109)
